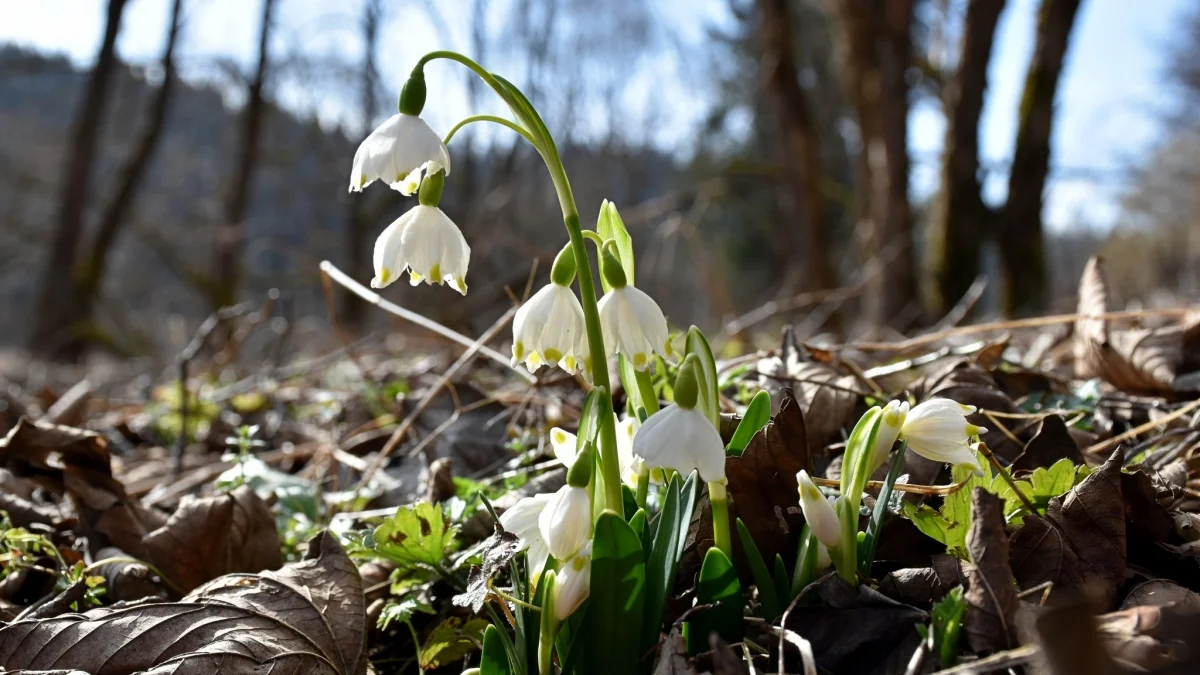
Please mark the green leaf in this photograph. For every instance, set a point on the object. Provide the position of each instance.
(495, 658)
(638, 522)
(594, 405)
(416, 536)
(639, 387)
(616, 603)
(718, 586)
(610, 226)
(935, 525)
(782, 585)
(768, 595)
(946, 624)
(707, 377)
(451, 640)
(403, 610)
(662, 561)
(757, 414)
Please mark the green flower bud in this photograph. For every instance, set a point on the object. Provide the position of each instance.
(430, 193)
(687, 387)
(581, 471)
(611, 268)
(563, 271)
(412, 96)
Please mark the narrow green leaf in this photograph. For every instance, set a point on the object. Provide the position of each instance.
(495, 658)
(594, 405)
(768, 596)
(616, 603)
(946, 624)
(610, 226)
(697, 344)
(638, 522)
(661, 562)
(718, 586)
(639, 387)
(757, 414)
(782, 585)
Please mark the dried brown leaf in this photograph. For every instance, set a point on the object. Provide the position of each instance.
(826, 397)
(1051, 443)
(991, 596)
(1151, 638)
(672, 658)
(1159, 592)
(306, 619)
(922, 586)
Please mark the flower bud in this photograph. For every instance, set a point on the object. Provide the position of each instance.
(566, 522)
(687, 389)
(412, 95)
(430, 192)
(612, 270)
(820, 515)
(891, 419)
(563, 271)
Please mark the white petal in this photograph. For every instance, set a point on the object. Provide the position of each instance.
(938, 430)
(566, 522)
(681, 439)
(522, 518)
(572, 583)
(402, 144)
(633, 325)
(820, 515)
(564, 444)
(892, 419)
(435, 249)
(388, 260)
(547, 327)
(537, 556)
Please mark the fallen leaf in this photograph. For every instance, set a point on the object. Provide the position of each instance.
(826, 397)
(1160, 592)
(672, 658)
(1051, 443)
(762, 484)
(1039, 553)
(306, 618)
(496, 551)
(923, 586)
(453, 639)
(991, 596)
(1152, 638)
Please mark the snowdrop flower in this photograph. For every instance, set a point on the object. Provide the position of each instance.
(572, 583)
(425, 242)
(565, 447)
(566, 522)
(820, 515)
(892, 418)
(549, 328)
(522, 520)
(398, 153)
(680, 437)
(938, 430)
(632, 323)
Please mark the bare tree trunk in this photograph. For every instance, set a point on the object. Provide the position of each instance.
(960, 220)
(1021, 243)
(89, 276)
(878, 36)
(358, 226)
(51, 312)
(230, 237)
(801, 197)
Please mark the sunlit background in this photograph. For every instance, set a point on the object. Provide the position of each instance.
(696, 117)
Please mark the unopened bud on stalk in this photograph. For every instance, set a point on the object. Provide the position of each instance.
(611, 268)
(430, 192)
(412, 96)
(687, 389)
(580, 473)
(563, 271)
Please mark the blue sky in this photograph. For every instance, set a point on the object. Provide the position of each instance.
(1110, 110)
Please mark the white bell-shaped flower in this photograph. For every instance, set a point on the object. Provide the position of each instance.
(566, 522)
(938, 430)
(891, 419)
(820, 515)
(681, 439)
(633, 325)
(522, 520)
(426, 242)
(566, 449)
(549, 328)
(572, 583)
(398, 153)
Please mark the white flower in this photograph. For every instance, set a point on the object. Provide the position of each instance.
(566, 522)
(522, 520)
(572, 583)
(633, 325)
(398, 153)
(820, 515)
(566, 449)
(681, 439)
(426, 242)
(938, 430)
(549, 328)
(823, 558)
(891, 419)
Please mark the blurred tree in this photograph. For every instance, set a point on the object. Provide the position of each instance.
(878, 56)
(52, 311)
(960, 220)
(228, 263)
(1022, 249)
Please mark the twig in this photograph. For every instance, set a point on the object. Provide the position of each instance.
(361, 291)
(964, 304)
(1103, 446)
(928, 490)
(987, 452)
(999, 661)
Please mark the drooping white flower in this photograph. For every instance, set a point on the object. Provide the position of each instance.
(522, 520)
(566, 522)
(633, 325)
(549, 328)
(398, 153)
(820, 515)
(572, 583)
(891, 419)
(565, 447)
(426, 242)
(938, 430)
(681, 439)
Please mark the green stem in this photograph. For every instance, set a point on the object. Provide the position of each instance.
(548, 627)
(719, 500)
(524, 111)
(866, 555)
(495, 120)
(806, 561)
(643, 488)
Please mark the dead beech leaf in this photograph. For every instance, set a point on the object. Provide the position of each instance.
(991, 596)
(210, 536)
(1150, 638)
(1051, 443)
(1160, 592)
(1133, 360)
(762, 482)
(826, 397)
(922, 586)
(305, 619)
